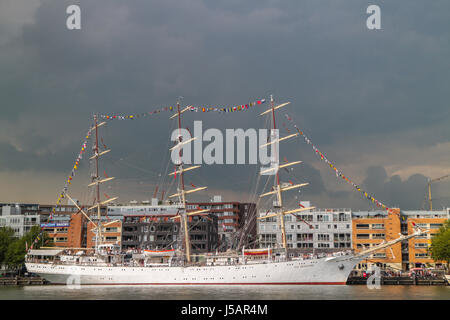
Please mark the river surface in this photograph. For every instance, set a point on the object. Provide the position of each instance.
(259, 292)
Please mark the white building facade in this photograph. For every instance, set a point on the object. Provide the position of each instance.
(317, 230)
(20, 217)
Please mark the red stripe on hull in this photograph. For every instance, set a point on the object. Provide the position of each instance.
(202, 284)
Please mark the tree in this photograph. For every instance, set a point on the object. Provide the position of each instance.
(440, 244)
(15, 254)
(6, 238)
(30, 237)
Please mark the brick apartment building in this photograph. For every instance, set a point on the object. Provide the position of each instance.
(372, 227)
(418, 253)
(111, 233)
(67, 231)
(234, 219)
(68, 227)
(159, 232)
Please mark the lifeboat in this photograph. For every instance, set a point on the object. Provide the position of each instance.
(257, 252)
(159, 253)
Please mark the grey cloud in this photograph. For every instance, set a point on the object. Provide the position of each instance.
(344, 81)
(395, 192)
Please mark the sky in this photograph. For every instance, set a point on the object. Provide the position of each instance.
(376, 102)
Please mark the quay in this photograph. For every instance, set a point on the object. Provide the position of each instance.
(401, 281)
(20, 281)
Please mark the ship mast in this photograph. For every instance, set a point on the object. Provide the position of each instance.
(278, 188)
(181, 191)
(96, 181)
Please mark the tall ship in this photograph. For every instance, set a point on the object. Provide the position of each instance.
(107, 264)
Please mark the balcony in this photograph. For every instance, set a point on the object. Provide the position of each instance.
(30, 223)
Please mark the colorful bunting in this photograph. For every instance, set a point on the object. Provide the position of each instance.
(191, 108)
(338, 172)
(227, 109)
(72, 173)
(41, 233)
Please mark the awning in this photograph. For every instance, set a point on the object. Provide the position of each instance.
(44, 252)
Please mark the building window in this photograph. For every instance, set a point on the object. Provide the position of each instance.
(362, 236)
(304, 237)
(304, 245)
(305, 217)
(269, 237)
(362, 226)
(323, 237)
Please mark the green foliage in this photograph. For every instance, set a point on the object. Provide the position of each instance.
(15, 255)
(6, 238)
(13, 249)
(440, 244)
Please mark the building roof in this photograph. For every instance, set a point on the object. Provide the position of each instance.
(44, 252)
(373, 213)
(425, 213)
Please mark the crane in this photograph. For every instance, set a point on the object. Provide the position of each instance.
(429, 188)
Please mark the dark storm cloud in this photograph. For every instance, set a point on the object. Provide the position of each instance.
(346, 83)
(407, 194)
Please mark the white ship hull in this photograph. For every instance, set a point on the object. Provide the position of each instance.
(325, 271)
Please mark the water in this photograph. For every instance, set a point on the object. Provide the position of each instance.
(225, 292)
